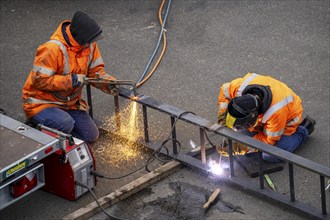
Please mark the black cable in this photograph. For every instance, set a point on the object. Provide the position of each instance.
(96, 200)
(155, 154)
(208, 139)
(2, 111)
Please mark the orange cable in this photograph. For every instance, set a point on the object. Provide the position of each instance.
(163, 50)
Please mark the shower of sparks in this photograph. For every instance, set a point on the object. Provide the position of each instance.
(131, 131)
(121, 146)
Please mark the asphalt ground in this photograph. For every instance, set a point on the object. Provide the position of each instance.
(209, 43)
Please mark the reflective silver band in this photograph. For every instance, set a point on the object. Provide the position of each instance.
(273, 133)
(96, 62)
(43, 70)
(90, 57)
(31, 100)
(223, 105)
(276, 107)
(225, 91)
(293, 121)
(66, 70)
(246, 83)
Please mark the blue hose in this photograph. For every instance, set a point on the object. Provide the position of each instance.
(158, 43)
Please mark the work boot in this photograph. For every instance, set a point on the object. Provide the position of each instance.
(308, 123)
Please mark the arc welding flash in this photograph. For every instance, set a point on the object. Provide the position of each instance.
(215, 167)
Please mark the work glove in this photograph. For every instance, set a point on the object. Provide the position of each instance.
(81, 79)
(221, 118)
(78, 80)
(238, 149)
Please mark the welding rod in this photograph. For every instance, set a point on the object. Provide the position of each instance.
(212, 198)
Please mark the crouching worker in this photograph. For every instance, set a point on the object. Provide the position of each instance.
(52, 91)
(266, 109)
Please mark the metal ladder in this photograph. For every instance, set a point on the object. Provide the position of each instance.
(243, 182)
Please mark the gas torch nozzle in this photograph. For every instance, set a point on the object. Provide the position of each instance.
(115, 82)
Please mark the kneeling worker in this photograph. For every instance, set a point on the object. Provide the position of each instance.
(52, 91)
(266, 109)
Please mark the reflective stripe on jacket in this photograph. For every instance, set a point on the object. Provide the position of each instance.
(282, 117)
(50, 82)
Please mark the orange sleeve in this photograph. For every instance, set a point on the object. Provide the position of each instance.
(273, 128)
(48, 68)
(228, 91)
(96, 70)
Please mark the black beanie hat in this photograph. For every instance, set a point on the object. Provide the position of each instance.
(83, 28)
(242, 106)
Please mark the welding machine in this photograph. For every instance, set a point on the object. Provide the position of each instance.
(61, 174)
(43, 158)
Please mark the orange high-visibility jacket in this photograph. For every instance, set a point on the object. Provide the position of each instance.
(283, 114)
(50, 82)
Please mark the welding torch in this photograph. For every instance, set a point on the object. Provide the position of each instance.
(113, 82)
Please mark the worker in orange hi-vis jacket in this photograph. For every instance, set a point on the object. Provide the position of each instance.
(265, 108)
(52, 91)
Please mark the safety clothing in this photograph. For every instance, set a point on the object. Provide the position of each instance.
(280, 110)
(53, 80)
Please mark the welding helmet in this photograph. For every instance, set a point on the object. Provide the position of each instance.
(242, 112)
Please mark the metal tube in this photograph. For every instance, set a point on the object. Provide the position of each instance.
(127, 82)
(292, 193)
(175, 149)
(113, 82)
(323, 201)
(231, 159)
(89, 100)
(145, 123)
(261, 171)
(202, 143)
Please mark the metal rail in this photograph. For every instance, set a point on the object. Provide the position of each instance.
(245, 183)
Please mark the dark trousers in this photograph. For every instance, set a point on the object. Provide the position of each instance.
(75, 122)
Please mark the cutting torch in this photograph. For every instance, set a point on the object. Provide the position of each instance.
(113, 82)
